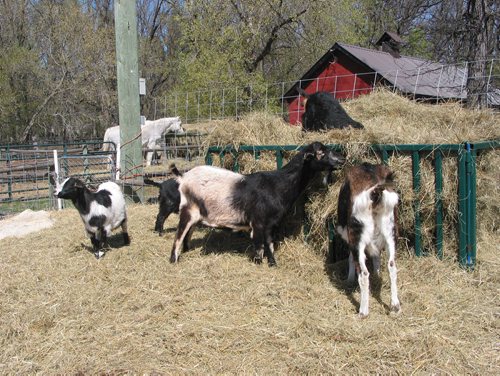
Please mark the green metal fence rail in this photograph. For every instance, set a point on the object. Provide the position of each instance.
(25, 169)
(465, 154)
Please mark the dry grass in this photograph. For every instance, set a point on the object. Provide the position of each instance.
(388, 119)
(216, 312)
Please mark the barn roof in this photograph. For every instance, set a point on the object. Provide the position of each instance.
(410, 75)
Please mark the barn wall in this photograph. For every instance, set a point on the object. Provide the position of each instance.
(343, 78)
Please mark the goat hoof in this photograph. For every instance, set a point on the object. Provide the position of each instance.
(98, 254)
(395, 308)
(363, 315)
(257, 260)
(272, 263)
(173, 259)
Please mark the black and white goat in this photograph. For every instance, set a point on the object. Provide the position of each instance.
(169, 200)
(367, 222)
(101, 211)
(256, 202)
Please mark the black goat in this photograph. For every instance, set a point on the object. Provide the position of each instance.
(323, 111)
(169, 199)
(256, 202)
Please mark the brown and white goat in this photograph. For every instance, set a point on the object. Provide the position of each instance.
(367, 222)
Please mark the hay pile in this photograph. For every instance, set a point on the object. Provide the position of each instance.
(216, 312)
(388, 119)
(64, 312)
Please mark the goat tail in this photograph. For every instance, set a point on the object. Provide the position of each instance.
(357, 125)
(151, 182)
(376, 194)
(175, 171)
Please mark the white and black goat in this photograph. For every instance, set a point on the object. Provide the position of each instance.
(169, 200)
(101, 211)
(367, 222)
(255, 202)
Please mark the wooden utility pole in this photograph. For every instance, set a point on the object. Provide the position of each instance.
(127, 68)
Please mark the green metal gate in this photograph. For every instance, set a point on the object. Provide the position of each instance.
(465, 155)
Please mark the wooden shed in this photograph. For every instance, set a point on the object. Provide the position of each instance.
(348, 71)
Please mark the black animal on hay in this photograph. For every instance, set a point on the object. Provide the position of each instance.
(255, 202)
(323, 111)
(169, 200)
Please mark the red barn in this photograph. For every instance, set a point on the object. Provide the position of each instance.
(348, 71)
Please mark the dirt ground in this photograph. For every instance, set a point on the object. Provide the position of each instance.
(24, 223)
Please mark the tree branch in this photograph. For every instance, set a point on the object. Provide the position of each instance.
(41, 106)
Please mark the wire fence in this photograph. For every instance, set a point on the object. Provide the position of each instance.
(27, 172)
(429, 81)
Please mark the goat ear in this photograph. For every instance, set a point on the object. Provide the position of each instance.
(308, 155)
(79, 184)
(320, 154)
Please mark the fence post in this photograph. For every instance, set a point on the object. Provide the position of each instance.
(354, 84)
(438, 183)
(56, 171)
(462, 207)
(470, 170)
(265, 105)
(223, 99)
(65, 159)
(86, 164)
(251, 97)
(208, 158)
(439, 83)
(416, 83)
(279, 159)
(395, 80)
(464, 79)
(282, 99)
(236, 101)
(416, 201)
(210, 106)
(9, 167)
(488, 83)
(117, 162)
(198, 115)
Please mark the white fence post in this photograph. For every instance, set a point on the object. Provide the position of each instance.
(416, 83)
(117, 164)
(56, 171)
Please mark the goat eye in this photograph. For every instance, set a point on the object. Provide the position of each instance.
(320, 154)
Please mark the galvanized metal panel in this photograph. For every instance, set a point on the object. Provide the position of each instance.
(412, 75)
